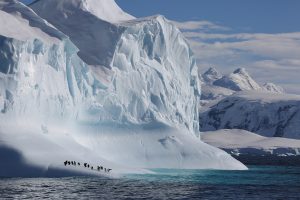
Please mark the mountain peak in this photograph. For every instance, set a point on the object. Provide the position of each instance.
(212, 70)
(241, 71)
(239, 80)
(211, 75)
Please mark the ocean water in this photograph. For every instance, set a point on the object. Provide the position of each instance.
(260, 182)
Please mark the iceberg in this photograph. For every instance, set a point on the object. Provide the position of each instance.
(99, 88)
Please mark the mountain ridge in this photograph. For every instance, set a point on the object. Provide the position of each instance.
(217, 86)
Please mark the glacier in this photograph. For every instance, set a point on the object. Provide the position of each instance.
(98, 88)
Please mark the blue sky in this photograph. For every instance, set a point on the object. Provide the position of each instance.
(262, 36)
(253, 15)
(268, 16)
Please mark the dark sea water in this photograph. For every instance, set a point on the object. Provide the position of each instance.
(258, 183)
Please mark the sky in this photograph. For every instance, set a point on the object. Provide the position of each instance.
(262, 36)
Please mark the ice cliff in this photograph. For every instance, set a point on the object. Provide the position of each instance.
(145, 66)
(98, 86)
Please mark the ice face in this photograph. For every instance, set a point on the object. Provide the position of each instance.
(145, 68)
(89, 25)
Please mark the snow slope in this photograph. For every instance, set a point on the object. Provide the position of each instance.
(26, 152)
(126, 100)
(252, 148)
(264, 113)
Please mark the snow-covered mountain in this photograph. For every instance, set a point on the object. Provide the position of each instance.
(255, 149)
(217, 86)
(123, 93)
(211, 75)
(239, 80)
(265, 113)
(237, 103)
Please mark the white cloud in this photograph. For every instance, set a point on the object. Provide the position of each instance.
(199, 25)
(270, 45)
(242, 36)
(269, 57)
(286, 64)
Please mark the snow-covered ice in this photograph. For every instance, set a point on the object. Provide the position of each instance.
(154, 146)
